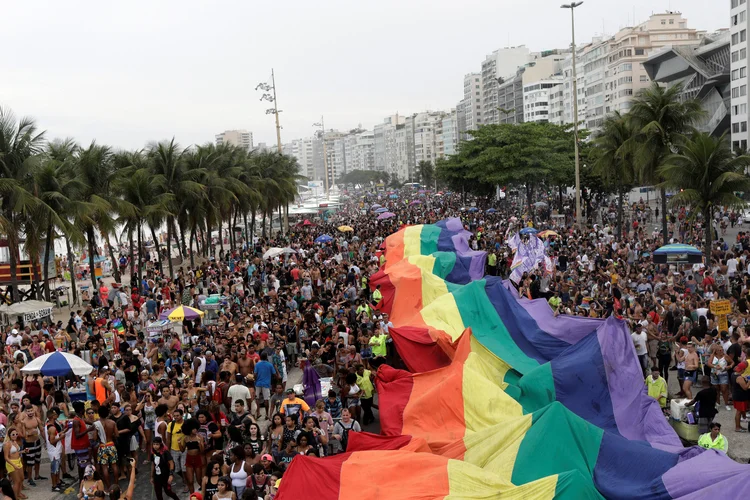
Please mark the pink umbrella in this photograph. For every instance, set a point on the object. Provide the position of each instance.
(386, 215)
(415, 202)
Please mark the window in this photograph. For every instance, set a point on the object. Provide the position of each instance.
(476, 86)
(735, 39)
(734, 3)
(736, 92)
(743, 35)
(743, 72)
(735, 74)
(735, 56)
(735, 128)
(734, 20)
(639, 52)
(644, 78)
(743, 90)
(743, 127)
(743, 54)
(671, 21)
(735, 110)
(664, 21)
(743, 15)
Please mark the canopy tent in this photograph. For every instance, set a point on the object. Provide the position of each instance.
(677, 254)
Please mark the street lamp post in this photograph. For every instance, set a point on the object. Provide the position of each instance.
(572, 6)
(275, 109)
(322, 125)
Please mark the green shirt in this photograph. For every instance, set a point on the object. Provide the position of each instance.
(378, 345)
(364, 383)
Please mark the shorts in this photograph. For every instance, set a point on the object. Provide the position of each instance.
(150, 426)
(263, 393)
(33, 453)
(13, 465)
(291, 349)
(353, 402)
(680, 374)
(720, 378)
(83, 457)
(194, 461)
(179, 460)
(54, 466)
(107, 454)
(366, 353)
(653, 347)
(691, 375)
(741, 406)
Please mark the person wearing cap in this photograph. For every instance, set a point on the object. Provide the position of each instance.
(714, 439)
(14, 338)
(294, 406)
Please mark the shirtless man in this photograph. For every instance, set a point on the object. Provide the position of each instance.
(246, 364)
(30, 427)
(107, 453)
(228, 366)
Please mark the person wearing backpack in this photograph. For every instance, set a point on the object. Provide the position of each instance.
(342, 428)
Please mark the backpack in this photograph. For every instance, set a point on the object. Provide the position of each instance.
(345, 434)
(218, 394)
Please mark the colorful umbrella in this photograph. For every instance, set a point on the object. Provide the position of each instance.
(375, 206)
(346, 229)
(547, 232)
(323, 238)
(415, 202)
(386, 215)
(181, 313)
(381, 210)
(394, 196)
(58, 364)
(678, 254)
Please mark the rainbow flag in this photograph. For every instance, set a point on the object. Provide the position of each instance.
(554, 405)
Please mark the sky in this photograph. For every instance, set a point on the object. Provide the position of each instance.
(128, 73)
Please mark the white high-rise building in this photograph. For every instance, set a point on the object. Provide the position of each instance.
(241, 138)
(502, 63)
(739, 29)
(472, 107)
(536, 99)
(425, 125)
(450, 137)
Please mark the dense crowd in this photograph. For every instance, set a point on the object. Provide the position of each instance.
(209, 403)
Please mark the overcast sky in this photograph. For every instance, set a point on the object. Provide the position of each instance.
(126, 73)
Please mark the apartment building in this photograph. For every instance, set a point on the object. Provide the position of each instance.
(497, 66)
(241, 138)
(473, 89)
(738, 29)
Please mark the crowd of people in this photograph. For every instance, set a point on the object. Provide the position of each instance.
(209, 404)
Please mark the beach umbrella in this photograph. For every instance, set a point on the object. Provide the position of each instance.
(540, 204)
(677, 254)
(375, 206)
(473, 209)
(386, 215)
(306, 223)
(491, 210)
(547, 232)
(288, 251)
(346, 229)
(415, 202)
(323, 238)
(181, 313)
(381, 210)
(355, 238)
(394, 196)
(528, 230)
(273, 252)
(58, 364)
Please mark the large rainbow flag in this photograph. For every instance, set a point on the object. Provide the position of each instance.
(505, 400)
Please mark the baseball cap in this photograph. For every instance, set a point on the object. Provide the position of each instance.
(267, 457)
(136, 352)
(290, 391)
(14, 332)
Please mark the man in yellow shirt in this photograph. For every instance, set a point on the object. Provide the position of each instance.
(657, 387)
(174, 434)
(377, 296)
(365, 380)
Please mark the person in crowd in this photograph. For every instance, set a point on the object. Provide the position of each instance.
(714, 439)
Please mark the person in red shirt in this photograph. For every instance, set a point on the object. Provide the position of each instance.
(295, 272)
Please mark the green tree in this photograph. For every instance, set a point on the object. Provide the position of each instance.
(613, 161)
(21, 143)
(426, 173)
(661, 119)
(707, 175)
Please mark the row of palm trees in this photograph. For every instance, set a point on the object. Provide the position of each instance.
(59, 189)
(656, 143)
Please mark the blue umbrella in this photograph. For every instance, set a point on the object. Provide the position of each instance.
(491, 210)
(58, 364)
(394, 196)
(323, 238)
(473, 209)
(528, 230)
(381, 210)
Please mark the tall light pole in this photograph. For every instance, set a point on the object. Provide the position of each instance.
(272, 98)
(322, 125)
(572, 6)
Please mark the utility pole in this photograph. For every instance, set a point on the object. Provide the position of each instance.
(579, 218)
(322, 125)
(276, 111)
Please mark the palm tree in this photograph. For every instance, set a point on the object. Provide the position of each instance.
(95, 169)
(661, 118)
(614, 163)
(20, 146)
(707, 175)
